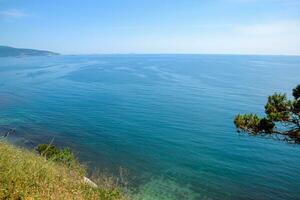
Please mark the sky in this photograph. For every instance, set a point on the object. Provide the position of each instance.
(153, 26)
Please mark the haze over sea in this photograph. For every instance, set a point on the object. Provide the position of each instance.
(165, 118)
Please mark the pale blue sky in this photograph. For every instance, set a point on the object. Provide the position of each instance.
(152, 26)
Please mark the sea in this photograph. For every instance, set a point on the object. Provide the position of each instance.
(167, 120)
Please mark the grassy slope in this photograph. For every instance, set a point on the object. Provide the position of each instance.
(26, 175)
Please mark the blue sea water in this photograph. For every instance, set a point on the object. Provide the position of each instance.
(165, 118)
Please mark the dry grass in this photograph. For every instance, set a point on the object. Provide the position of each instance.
(26, 175)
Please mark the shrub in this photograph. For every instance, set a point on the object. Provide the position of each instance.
(64, 156)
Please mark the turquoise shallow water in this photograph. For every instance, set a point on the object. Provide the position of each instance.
(166, 118)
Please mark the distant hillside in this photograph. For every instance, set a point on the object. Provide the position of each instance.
(6, 51)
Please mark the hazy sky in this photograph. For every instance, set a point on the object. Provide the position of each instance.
(152, 26)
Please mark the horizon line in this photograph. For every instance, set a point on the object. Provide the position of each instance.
(133, 53)
(225, 54)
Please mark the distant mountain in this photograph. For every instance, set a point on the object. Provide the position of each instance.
(6, 51)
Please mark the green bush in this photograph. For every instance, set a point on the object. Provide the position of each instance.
(51, 152)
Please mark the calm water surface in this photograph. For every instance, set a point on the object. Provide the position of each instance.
(166, 118)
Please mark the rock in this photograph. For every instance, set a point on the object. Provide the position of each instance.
(89, 182)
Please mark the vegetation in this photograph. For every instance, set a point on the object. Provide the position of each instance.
(64, 156)
(282, 120)
(54, 175)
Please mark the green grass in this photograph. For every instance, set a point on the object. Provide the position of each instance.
(26, 175)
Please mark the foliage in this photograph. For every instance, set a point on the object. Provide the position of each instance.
(296, 92)
(249, 122)
(282, 118)
(26, 175)
(64, 156)
(277, 108)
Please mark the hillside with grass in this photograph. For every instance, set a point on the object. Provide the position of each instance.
(49, 173)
